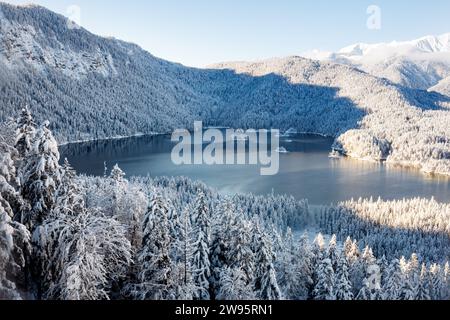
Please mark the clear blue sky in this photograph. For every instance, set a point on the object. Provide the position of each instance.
(201, 32)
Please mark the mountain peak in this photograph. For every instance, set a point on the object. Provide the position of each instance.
(419, 63)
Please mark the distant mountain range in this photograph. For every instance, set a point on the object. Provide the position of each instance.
(91, 87)
(419, 64)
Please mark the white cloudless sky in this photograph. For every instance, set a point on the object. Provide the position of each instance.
(201, 32)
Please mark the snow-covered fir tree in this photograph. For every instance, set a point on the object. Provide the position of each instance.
(201, 266)
(88, 254)
(325, 286)
(394, 281)
(233, 285)
(156, 276)
(15, 251)
(423, 290)
(11, 198)
(343, 286)
(436, 281)
(265, 282)
(26, 130)
(40, 177)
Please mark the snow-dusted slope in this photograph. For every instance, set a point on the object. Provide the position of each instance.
(93, 87)
(402, 126)
(442, 87)
(22, 44)
(420, 63)
(88, 86)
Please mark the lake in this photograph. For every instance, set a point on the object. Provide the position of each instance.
(306, 171)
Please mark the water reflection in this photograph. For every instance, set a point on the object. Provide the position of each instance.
(305, 172)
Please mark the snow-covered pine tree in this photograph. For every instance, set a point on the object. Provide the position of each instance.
(347, 248)
(234, 286)
(446, 280)
(40, 177)
(319, 248)
(383, 263)
(201, 266)
(436, 282)
(69, 195)
(332, 252)
(325, 286)
(359, 267)
(89, 254)
(15, 250)
(117, 174)
(265, 282)
(223, 222)
(423, 291)
(295, 269)
(12, 201)
(239, 253)
(156, 274)
(318, 254)
(126, 203)
(177, 232)
(409, 289)
(371, 289)
(287, 266)
(394, 282)
(305, 268)
(343, 285)
(185, 287)
(365, 292)
(25, 132)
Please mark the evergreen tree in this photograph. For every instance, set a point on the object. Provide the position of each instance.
(156, 267)
(365, 292)
(234, 286)
(446, 280)
(15, 251)
(288, 266)
(408, 290)
(41, 176)
(343, 284)
(25, 132)
(436, 282)
(239, 253)
(117, 174)
(224, 221)
(88, 254)
(201, 263)
(324, 289)
(332, 252)
(186, 287)
(423, 291)
(394, 282)
(11, 201)
(265, 283)
(305, 269)
(69, 195)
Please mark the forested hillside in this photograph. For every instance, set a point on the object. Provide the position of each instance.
(91, 87)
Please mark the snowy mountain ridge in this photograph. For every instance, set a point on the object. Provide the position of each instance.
(428, 44)
(19, 44)
(419, 63)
